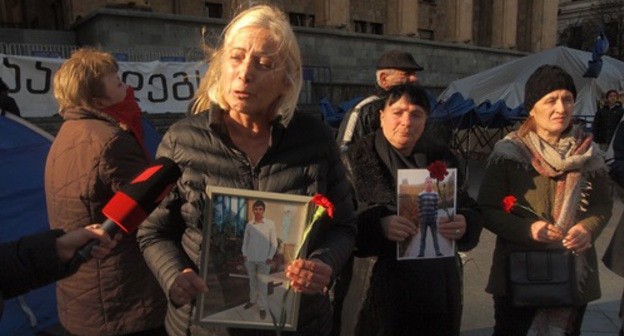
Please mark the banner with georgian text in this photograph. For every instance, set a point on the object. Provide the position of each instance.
(159, 86)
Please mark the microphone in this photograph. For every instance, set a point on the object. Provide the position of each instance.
(131, 205)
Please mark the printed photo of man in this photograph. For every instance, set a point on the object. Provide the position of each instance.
(428, 207)
(259, 247)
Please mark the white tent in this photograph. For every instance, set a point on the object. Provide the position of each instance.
(506, 81)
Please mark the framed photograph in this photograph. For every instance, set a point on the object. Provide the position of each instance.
(425, 201)
(249, 240)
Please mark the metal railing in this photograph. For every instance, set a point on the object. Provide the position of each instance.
(313, 74)
(134, 54)
(40, 50)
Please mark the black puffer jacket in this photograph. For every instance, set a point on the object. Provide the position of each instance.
(302, 159)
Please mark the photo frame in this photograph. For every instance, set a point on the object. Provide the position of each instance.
(237, 282)
(416, 188)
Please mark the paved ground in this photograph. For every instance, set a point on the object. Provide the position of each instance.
(601, 318)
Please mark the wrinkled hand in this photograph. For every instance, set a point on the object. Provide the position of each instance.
(452, 228)
(578, 239)
(309, 276)
(397, 228)
(186, 286)
(545, 232)
(67, 244)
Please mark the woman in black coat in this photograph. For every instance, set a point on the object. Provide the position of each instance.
(407, 297)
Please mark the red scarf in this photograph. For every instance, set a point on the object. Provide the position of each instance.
(128, 113)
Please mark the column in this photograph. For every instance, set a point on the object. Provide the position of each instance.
(332, 13)
(458, 20)
(401, 18)
(544, 24)
(504, 24)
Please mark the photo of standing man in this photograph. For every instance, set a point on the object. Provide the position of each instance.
(428, 207)
(259, 247)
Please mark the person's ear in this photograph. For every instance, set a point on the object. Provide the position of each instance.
(381, 117)
(383, 79)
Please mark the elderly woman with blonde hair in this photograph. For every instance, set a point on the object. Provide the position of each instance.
(243, 133)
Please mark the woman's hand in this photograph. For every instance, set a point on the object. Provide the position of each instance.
(452, 228)
(397, 228)
(186, 286)
(578, 239)
(544, 232)
(309, 276)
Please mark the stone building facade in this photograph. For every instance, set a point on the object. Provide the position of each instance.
(524, 25)
(340, 39)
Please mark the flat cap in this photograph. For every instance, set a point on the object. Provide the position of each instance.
(397, 59)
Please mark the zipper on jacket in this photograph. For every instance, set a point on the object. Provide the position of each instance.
(255, 173)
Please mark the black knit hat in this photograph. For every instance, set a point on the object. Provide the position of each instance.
(397, 59)
(545, 80)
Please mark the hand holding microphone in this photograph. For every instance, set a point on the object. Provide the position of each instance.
(131, 205)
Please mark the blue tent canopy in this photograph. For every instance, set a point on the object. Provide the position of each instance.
(23, 151)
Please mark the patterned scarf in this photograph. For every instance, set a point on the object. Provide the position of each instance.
(565, 163)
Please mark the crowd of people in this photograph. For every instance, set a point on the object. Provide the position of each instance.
(242, 132)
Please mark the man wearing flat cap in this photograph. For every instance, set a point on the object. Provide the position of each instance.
(393, 67)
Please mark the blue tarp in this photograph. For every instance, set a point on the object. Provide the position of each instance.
(333, 116)
(463, 113)
(23, 152)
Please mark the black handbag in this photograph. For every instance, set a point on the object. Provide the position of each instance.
(541, 278)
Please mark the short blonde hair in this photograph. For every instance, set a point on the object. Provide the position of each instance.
(273, 20)
(78, 82)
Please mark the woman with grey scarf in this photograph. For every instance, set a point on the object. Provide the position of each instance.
(553, 168)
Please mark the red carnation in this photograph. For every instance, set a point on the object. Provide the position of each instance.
(508, 203)
(322, 201)
(437, 170)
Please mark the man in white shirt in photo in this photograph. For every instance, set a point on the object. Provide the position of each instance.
(259, 247)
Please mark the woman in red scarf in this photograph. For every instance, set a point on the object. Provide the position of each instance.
(99, 149)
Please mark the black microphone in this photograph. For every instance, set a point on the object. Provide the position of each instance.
(131, 205)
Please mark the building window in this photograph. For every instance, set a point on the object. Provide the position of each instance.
(367, 27)
(301, 20)
(425, 34)
(376, 28)
(213, 10)
(359, 26)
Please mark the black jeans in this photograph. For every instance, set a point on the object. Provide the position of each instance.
(516, 321)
